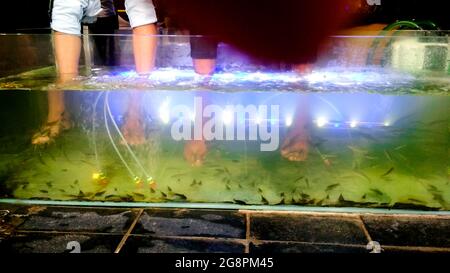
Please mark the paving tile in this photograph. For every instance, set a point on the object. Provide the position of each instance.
(199, 223)
(58, 243)
(307, 228)
(409, 231)
(294, 247)
(73, 219)
(148, 244)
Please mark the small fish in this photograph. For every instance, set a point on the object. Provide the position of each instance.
(415, 200)
(388, 172)
(438, 197)
(140, 195)
(178, 175)
(43, 191)
(228, 187)
(200, 182)
(364, 196)
(49, 184)
(64, 170)
(240, 186)
(180, 196)
(75, 182)
(388, 155)
(376, 191)
(399, 147)
(304, 196)
(330, 187)
(61, 190)
(110, 196)
(282, 194)
(307, 182)
(115, 189)
(152, 190)
(169, 189)
(260, 190)
(357, 150)
(264, 200)
(361, 174)
(235, 160)
(240, 202)
(99, 193)
(164, 194)
(299, 178)
(72, 186)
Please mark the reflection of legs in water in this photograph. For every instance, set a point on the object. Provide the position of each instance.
(133, 128)
(67, 53)
(195, 150)
(204, 54)
(295, 146)
(144, 45)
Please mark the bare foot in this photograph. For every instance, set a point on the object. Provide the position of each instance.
(204, 66)
(295, 147)
(303, 68)
(195, 152)
(51, 130)
(133, 131)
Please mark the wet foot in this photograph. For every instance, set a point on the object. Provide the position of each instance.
(195, 152)
(295, 147)
(303, 69)
(51, 130)
(133, 131)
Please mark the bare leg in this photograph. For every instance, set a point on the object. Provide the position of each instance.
(67, 53)
(144, 46)
(204, 66)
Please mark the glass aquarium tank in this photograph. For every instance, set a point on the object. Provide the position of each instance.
(367, 126)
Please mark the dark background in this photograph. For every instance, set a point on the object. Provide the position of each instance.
(18, 15)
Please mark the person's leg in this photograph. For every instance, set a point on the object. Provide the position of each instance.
(144, 47)
(142, 20)
(66, 18)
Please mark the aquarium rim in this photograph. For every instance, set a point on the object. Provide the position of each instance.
(369, 34)
(256, 208)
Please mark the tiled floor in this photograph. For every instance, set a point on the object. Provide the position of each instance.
(121, 230)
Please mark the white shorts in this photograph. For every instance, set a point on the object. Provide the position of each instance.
(67, 15)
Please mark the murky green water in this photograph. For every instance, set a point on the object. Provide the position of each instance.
(375, 139)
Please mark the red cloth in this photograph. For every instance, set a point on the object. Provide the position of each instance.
(273, 30)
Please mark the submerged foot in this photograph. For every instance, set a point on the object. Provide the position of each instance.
(295, 147)
(51, 130)
(133, 131)
(195, 152)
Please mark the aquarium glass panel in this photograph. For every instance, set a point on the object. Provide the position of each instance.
(367, 125)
